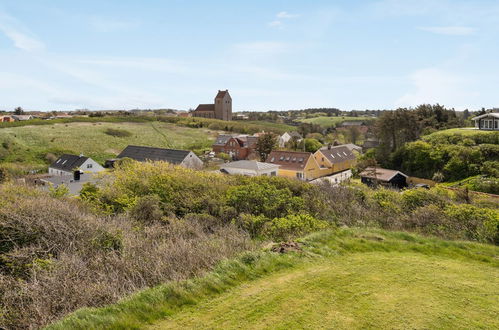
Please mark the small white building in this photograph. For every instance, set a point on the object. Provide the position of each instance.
(249, 168)
(286, 137)
(488, 121)
(68, 164)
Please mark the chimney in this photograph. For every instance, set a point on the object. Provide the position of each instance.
(329, 146)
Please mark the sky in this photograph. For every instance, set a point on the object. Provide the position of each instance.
(270, 54)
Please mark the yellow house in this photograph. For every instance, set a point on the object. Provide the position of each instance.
(334, 159)
(300, 165)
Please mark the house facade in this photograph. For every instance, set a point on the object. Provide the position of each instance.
(220, 109)
(239, 147)
(488, 121)
(299, 165)
(183, 158)
(249, 168)
(6, 119)
(67, 164)
(287, 136)
(334, 159)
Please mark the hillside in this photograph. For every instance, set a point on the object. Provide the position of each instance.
(29, 146)
(325, 121)
(344, 279)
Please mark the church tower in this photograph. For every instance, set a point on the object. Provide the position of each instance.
(223, 105)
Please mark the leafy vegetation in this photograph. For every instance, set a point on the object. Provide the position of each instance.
(326, 121)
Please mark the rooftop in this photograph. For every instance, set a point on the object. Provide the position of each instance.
(381, 174)
(141, 154)
(289, 160)
(249, 165)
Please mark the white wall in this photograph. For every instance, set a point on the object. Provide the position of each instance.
(91, 166)
(192, 161)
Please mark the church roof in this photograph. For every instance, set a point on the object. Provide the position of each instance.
(206, 107)
(221, 94)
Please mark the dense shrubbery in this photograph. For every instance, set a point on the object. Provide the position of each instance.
(151, 222)
(117, 132)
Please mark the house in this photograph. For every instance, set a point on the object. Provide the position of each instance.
(183, 158)
(359, 125)
(22, 117)
(287, 136)
(220, 109)
(239, 147)
(67, 164)
(374, 176)
(334, 159)
(249, 168)
(73, 182)
(334, 179)
(488, 121)
(370, 143)
(6, 119)
(293, 164)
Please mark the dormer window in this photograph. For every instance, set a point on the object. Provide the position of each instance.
(282, 158)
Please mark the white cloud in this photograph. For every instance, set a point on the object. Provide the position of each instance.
(275, 24)
(434, 85)
(19, 35)
(450, 30)
(103, 24)
(285, 14)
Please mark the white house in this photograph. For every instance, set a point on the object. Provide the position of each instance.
(249, 168)
(68, 164)
(488, 121)
(286, 137)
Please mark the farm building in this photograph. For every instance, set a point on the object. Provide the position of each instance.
(183, 158)
(67, 164)
(373, 176)
(249, 168)
(488, 121)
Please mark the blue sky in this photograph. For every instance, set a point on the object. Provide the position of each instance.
(63, 55)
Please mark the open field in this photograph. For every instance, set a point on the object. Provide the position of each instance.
(332, 121)
(31, 144)
(344, 279)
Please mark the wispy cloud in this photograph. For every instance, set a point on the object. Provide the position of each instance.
(285, 14)
(280, 17)
(107, 24)
(20, 36)
(449, 30)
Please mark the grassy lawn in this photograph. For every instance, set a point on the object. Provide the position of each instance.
(466, 131)
(30, 144)
(332, 121)
(349, 278)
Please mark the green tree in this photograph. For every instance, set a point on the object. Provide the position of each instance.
(266, 143)
(18, 111)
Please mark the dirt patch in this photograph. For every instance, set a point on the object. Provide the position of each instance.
(286, 247)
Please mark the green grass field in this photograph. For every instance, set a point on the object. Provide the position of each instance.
(344, 279)
(468, 131)
(30, 144)
(332, 121)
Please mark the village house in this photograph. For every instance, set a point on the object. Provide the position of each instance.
(6, 119)
(220, 109)
(287, 136)
(183, 158)
(73, 182)
(334, 159)
(357, 150)
(238, 147)
(380, 176)
(22, 117)
(249, 168)
(69, 164)
(488, 121)
(359, 125)
(293, 164)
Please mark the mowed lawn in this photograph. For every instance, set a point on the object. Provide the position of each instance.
(370, 290)
(325, 121)
(30, 144)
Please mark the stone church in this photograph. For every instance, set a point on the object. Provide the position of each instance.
(221, 109)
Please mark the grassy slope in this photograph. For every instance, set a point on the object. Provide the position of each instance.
(331, 121)
(349, 278)
(31, 143)
(461, 131)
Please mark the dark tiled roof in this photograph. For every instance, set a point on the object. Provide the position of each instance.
(68, 162)
(221, 94)
(205, 107)
(289, 160)
(222, 139)
(143, 154)
(337, 154)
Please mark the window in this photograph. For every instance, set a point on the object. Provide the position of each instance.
(89, 165)
(273, 173)
(282, 158)
(299, 175)
(272, 160)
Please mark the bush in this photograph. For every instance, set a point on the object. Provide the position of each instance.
(414, 198)
(293, 225)
(479, 224)
(117, 132)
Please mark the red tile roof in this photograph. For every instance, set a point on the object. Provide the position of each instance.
(289, 160)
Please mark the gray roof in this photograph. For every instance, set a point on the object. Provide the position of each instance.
(143, 154)
(222, 139)
(381, 174)
(337, 154)
(68, 162)
(249, 165)
(490, 114)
